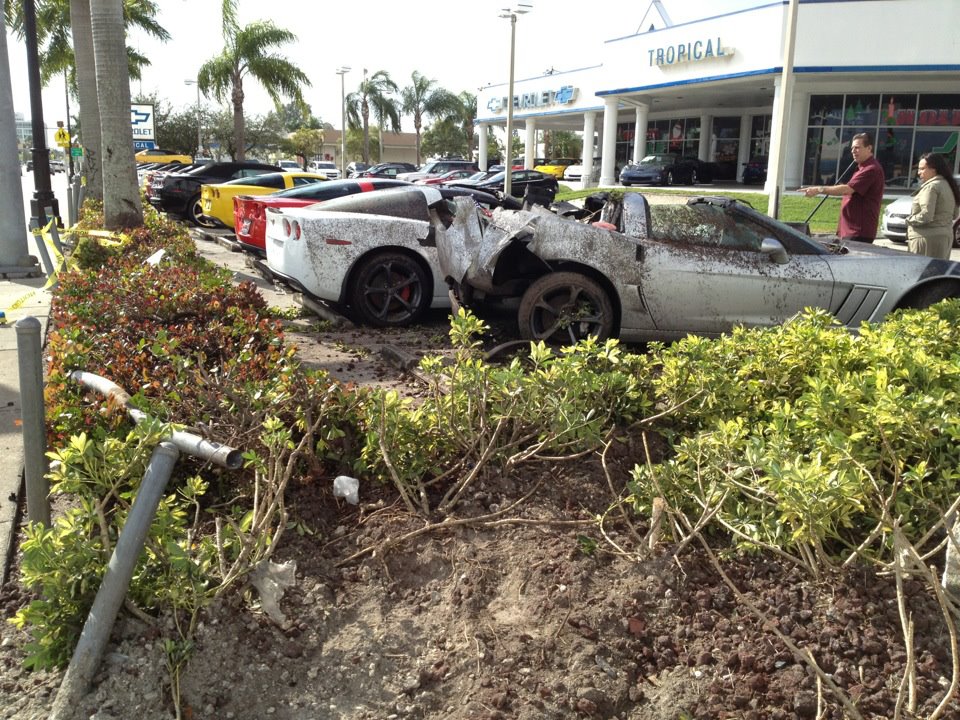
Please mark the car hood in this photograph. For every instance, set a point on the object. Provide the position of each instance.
(901, 205)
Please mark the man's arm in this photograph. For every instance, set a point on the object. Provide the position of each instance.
(837, 190)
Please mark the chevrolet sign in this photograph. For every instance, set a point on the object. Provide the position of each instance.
(527, 101)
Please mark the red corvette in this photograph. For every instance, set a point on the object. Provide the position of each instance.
(249, 211)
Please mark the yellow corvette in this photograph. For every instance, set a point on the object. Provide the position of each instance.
(556, 167)
(217, 200)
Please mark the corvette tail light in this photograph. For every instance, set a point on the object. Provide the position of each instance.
(291, 228)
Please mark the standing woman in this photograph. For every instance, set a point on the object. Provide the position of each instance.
(930, 223)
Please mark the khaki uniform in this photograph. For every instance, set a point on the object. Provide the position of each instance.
(930, 223)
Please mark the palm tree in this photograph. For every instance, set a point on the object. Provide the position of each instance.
(421, 100)
(467, 117)
(374, 93)
(86, 77)
(54, 24)
(121, 194)
(59, 22)
(248, 51)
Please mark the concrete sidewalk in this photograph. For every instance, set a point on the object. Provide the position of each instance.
(19, 298)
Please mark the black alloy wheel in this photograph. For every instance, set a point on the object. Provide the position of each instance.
(563, 308)
(390, 289)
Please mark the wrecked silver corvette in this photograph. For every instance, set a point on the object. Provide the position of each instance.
(662, 272)
(616, 267)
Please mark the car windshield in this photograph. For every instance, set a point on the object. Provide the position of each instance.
(326, 166)
(498, 178)
(736, 227)
(657, 160)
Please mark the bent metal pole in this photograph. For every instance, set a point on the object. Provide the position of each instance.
(185, 442)
(99, 624)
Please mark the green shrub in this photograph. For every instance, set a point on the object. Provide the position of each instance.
(801, 433)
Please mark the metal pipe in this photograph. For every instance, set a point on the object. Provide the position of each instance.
(45, 260)
(96, 630)
(32, 413)
(187, 443)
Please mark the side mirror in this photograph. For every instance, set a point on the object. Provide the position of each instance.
(774, 249)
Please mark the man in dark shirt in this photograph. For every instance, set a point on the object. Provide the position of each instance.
(862, 194)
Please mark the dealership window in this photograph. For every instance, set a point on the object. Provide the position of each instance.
(677, 135)
(760, 136)
(725, 146)
(904, 127)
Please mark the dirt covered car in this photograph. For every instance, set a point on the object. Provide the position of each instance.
(619, 267)
(373, 254)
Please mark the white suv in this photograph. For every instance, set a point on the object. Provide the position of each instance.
(326, 167)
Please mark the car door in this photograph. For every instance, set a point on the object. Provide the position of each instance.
(704, 272)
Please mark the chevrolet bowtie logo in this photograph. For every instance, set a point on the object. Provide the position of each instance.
(137, 117)
(564, 94)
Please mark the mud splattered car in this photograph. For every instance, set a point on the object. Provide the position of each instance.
(616, 267)
(659, 273)
(375, 254)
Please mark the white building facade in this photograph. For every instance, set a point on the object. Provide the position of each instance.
(711, 88)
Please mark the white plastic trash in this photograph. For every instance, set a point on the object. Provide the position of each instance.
(347, 488)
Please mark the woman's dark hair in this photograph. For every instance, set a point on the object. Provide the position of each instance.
(939, 163)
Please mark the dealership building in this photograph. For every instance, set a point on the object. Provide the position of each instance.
(714, 88)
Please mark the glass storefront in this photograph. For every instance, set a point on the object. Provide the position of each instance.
(679, 135)
(904, 127)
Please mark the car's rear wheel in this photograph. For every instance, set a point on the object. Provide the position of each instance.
(565, 307)
(693, 177)
(195, 210)
(390, 289)
(956, 233)
(625, 184)
(669, 178)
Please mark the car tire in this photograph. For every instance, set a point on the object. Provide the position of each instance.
(625, 184)
(693, 177)
(390, 289)
(931, 295)
(669, 179)
(195, 212)
(563, 308)
(956, 233)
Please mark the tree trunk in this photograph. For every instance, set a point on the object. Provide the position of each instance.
(239, 128)
(365, 109)
(13, 230)
(87, 90)
(121, 195)
(417, 124)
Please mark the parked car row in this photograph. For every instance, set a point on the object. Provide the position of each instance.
(178, 193)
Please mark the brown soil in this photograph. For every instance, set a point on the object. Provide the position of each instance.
(537, 613)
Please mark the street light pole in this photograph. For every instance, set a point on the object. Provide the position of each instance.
(199, 136)
(511, 14)
(343, 121)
